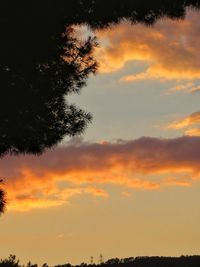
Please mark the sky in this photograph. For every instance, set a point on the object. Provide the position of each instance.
(130, 185)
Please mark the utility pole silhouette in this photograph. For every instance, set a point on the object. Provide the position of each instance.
(100, 258)
(92, 260)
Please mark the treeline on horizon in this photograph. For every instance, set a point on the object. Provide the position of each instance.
(140, 261)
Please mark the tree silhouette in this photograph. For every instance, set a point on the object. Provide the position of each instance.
(137, 11)
(34, 114)
(183, 261)
(2, 199)
(11, 261)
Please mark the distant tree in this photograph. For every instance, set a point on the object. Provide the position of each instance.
(113, 261)
(155, 261)
(83, 264)
(29, 264)
(130, 259)
(63, 265)
(11, 261)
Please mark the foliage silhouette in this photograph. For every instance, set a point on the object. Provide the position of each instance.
(2, 199)
(11, 261)
(38, 115)
(183, 261)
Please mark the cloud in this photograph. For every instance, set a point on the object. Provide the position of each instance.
(182, 87)
(186, 123)
(169, 49)
(192, 119)
(186, 88)
(55, 177)
(24, 200)
(195, 89)
(193, 132)
(178, 182)
(141, 77)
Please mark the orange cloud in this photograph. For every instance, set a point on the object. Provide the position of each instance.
(186, 88)
(38, 196)
(192, 119)
(178, 182)
(170, 48)
(55, 177)
(193, 132)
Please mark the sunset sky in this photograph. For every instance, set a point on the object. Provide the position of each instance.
(130, 185)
